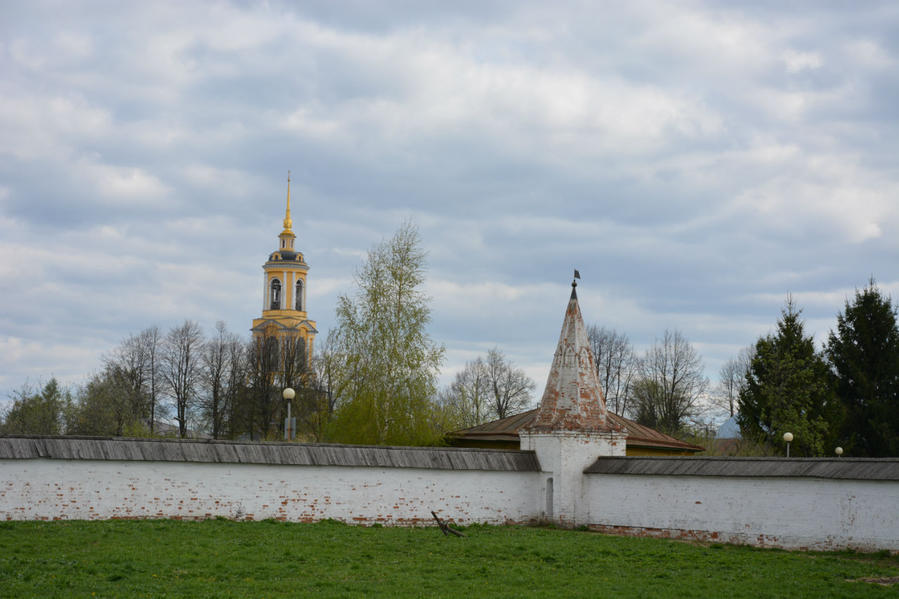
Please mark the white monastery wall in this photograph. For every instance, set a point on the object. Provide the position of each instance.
(563, 457)
(798, 503)
(44, 489)
(789, 512)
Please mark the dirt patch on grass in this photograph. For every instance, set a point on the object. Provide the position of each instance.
(886, 582)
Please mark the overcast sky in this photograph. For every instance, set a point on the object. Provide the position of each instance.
(696, 163)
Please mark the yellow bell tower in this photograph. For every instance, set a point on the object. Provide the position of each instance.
(284, 290)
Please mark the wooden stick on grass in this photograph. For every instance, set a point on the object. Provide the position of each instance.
(444, 527)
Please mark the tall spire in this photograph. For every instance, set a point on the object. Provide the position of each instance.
(573, 399)
(288, 222)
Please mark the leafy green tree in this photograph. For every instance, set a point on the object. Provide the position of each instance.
(788, 389)
(40, 413)
(102, 407)
(389, 363)
(647, 396)
(864, 355)
(121, 400)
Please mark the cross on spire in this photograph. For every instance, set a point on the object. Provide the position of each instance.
(288, 222)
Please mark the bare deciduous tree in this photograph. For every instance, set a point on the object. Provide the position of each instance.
(259, 408)
(237, 380)
(510, 388)
(320, 400)
(468, 397)
(671, 384)
(616, 365)
(293, 367)
(487, 388)
(151, 342)
(128, 368)
(217, 361)
(732, 378)
(181, 353)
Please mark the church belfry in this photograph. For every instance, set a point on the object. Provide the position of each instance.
(284, 290)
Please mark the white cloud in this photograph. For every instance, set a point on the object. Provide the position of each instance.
(64, 49)
(484, 300)
(35, 361)
(439, 88)
(826, 195)
(797, 61)
(36, 125)
(74, 46)
(329, 286)
(122, 184)
(714, 40)
(221, 181)
(307, 124)
(869, 54)
(834, 299)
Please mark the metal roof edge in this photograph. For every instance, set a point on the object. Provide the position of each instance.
(649, 443)
(886, 469)
(18, 447)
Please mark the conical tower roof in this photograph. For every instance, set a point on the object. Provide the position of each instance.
(573, 399)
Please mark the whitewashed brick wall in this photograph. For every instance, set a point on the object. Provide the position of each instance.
(789, 512)
(783, 512)
(40, 489)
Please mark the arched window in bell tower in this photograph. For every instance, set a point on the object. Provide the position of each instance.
(298, 295)
(276, 295)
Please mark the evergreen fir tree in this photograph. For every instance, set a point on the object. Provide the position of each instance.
(864, 355)
(787, 389)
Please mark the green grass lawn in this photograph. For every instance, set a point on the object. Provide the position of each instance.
(220, 558)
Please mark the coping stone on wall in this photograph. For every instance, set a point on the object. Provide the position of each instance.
(833, 468)
(296, 454)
